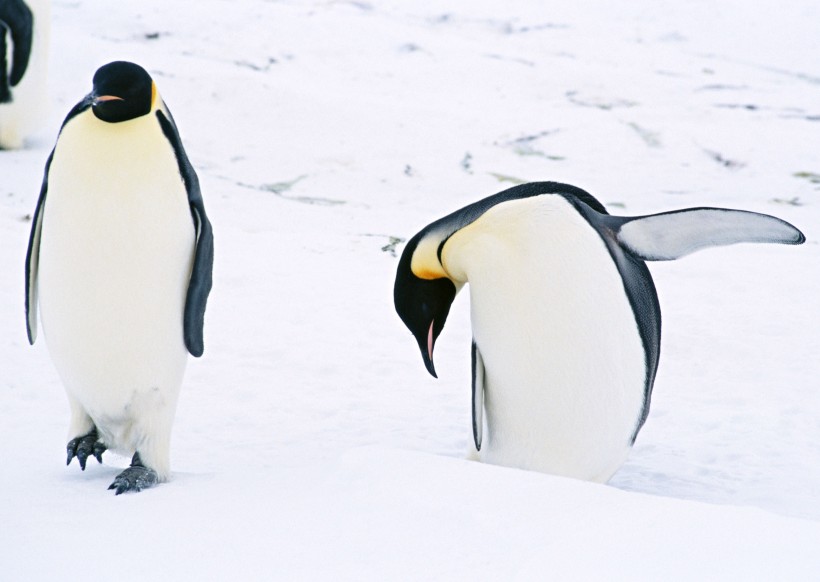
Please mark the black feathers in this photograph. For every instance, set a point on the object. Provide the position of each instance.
(17, 18)
(201, 277)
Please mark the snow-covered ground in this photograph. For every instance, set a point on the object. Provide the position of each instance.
(310, 442)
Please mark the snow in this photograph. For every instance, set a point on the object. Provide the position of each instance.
(310, 442)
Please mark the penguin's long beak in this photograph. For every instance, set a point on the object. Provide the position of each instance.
(427, 351)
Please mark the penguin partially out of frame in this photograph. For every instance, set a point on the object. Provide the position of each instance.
(120, 261)
(24, 40)
(565, 318)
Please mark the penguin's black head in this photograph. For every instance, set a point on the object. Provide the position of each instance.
(122, 91)
(422, 304)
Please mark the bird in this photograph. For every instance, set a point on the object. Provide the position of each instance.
(120, 262)
(565, 317)
(24, 42)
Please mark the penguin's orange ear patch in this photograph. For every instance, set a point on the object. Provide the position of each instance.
(425, 263)
(153, 93)
(427, 273)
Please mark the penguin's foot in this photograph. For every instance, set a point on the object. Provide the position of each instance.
(84, 446)
(135, 478)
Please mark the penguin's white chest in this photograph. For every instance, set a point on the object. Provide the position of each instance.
(115, 260)
(564, 362)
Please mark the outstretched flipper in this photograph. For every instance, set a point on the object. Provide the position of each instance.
(478, 396)
(135, 478)
(16, 16)
(667, 236)
(85, 446)
(671, 235)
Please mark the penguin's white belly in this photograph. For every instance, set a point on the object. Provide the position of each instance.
(564, 362)
(115, 260)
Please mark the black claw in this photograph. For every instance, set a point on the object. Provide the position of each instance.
(135, 478)
(84, 446)
(82, 455)
(99, 449)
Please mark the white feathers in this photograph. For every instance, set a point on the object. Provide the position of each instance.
(671, 235)
(565, 328)
(564, 366)
(117, 244)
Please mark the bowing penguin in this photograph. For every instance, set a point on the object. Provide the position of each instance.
(565, 318)
(24, 39)
(119, 261)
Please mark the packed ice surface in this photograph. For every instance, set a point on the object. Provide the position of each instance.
(310, 442)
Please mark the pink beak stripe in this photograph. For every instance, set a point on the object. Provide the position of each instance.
(430, 341)
(109, 98)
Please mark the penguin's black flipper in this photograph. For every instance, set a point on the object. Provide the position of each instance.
(85, 446)
(478, 396)
(202, 274)
(33, 258)
(5, 87)
(135, 478)
(16, 16)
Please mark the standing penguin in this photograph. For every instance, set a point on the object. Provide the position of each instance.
(566, 322)
(24, 39)
(121, 255)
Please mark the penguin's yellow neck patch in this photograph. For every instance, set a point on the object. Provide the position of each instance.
(425, 263)
(153, 94)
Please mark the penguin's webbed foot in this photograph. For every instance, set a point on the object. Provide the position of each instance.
(135, 478)
(85, 446)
